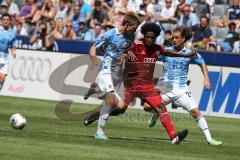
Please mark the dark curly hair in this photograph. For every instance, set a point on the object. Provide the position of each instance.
(186, 32)
(151, 27)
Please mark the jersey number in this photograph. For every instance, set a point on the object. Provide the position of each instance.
(189, 94)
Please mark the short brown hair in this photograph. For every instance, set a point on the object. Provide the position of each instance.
(130, 18)
(186, 32)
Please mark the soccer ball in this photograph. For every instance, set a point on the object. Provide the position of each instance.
(18, 121)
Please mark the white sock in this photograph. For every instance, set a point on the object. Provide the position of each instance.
(202, 124)
(104, 115)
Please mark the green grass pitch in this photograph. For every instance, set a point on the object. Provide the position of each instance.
(48, 138)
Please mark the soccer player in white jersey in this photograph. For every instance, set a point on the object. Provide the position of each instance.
(115, 43)
(7, 40)
(173, 84)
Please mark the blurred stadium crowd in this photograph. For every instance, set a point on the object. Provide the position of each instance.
(216, 23)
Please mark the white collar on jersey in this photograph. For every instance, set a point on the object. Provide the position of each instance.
(1, 27)
(117, 30)
(184, 48)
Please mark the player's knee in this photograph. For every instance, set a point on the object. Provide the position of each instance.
(2, 77)
(111, 100)
(121, 105)
(147, 107)
(195, 113)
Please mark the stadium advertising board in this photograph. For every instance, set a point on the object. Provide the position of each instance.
(54, 76)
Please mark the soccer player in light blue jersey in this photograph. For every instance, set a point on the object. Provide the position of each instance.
(115, 44)
(7, 41)
(173, 84)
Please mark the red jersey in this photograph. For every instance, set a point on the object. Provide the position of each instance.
(140, 72)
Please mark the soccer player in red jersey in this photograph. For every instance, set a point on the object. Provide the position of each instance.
(138, 77)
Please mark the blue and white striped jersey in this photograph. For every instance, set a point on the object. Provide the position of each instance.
(7, 39)
(114, 45)
(175, 69)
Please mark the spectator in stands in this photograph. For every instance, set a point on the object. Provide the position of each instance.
(188, 18)
(69, 32)
(142, 16)
(42, 39)
(86, 11)
(143, 8)
(213, 47)
(52, 24)
(76, 18)
(82, 30)
(3, 10)
(134, 5)
(202, 33)
(47, 12)
(57, 32)
(20, 30)
(70, 8)
(27, 11)
(167, 13)
(232, 35)
(118, 18)
(99, 13)
(179, 8)
(61, 11)
(32, 27)
(118, 5)
(107, 26)
(150, 10)
(232, 15)
(94, 34)
(167, 39)
(236, 47)
(13, 9)
(202, 9)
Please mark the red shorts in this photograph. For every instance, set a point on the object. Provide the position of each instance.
(147, 93)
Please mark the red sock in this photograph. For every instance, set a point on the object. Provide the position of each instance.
(167, 123)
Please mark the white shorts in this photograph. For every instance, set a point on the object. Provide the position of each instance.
(106, 84)
(3, 66)
(179, 97)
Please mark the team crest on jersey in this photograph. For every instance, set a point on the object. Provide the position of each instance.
(125, 45)
(109, 46)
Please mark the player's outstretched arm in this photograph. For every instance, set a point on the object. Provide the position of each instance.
(178, 54)
(173, 53)
(207, 83)
(92, 53)
(191, 54)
